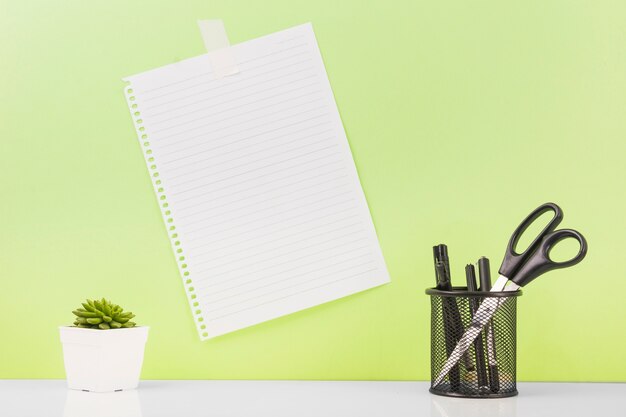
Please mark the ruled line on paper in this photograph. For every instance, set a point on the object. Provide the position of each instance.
(194, 86)
(205, 132)
(318, 167)
(243, 104)
(257, 135)
(203, 73)
(228, 82)
(240, 140)
(171, 143)
(236, 247)
(246, 82)
(293, 277)
(286, 209)
(290, 39)
(213, 285)
(282, 238)
(272, 203)
(237, 239)
(257, 277)
(234, 116)
(270, 157)
(227, 278)
(259, 186)
(288, 227)
(265, 123)
(289, 295)
(278, 208)
(289, 150)
(241, 155)
(229, 94)
(247, 172)
(245, 300)
(239, 106)
(313, 245)
(290, 110)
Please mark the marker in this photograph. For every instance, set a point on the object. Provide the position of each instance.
(448, 306)
(452, 318)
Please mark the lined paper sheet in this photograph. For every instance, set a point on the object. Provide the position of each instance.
(256, 182)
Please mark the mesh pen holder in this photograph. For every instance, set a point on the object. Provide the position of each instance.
(488, 369)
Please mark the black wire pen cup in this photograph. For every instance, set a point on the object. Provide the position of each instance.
(488, 368)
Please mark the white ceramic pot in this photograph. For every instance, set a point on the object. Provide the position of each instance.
(103, 360)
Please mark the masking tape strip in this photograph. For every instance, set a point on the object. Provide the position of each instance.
(218, 48)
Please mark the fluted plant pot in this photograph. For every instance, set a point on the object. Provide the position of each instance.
(103, 360)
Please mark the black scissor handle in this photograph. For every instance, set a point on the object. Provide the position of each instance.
(539, 262)
(513, 261)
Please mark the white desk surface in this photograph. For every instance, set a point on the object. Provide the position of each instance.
(50, 398)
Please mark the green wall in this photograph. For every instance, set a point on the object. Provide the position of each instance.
(462, 117)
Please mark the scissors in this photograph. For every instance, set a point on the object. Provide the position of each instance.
(518, 270)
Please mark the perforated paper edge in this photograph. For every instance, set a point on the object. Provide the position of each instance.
(152, 164)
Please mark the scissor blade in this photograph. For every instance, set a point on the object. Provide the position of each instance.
(485, 312)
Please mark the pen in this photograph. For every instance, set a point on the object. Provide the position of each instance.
(470, 276)
(450, 307)
(485, 285)
(457, 323)
(448, 323)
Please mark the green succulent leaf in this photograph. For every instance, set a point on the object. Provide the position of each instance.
(104, 326)
(88, 307)
(87, 314)
(106, 309)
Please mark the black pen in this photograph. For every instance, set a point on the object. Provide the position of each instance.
(451, 309)
(485, 285)
(448, 322)
(470, 276)
(458, 328)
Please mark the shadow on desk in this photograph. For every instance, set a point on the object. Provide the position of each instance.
(109, 404)
(449, 407)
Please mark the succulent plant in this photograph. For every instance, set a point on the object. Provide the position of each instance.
(102, 315)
